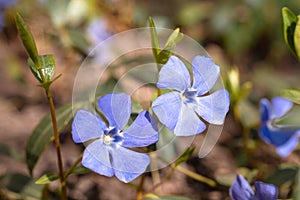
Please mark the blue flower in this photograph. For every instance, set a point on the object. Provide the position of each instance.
(97, 32)
(106, 154)
(179, 110)
(241, 190)
(284, 138)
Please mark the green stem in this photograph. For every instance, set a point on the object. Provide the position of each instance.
(165, 178)
(196, 176)
(57, 145)
(69, 171)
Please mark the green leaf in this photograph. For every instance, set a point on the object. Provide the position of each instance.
(21, 186)
(34, 70)
(285, 173)
(174, 38)
(155, 197)
(289, 25)
(80, 170)
(27, 38)
(11, 152)
(296, 194)
(47, 68)
(293, 95)
(170, 46)
(47, 178)
(185, 156)
(297, 37)
(43, 134)
(154, 39)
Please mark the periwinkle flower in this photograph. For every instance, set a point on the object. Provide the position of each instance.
(241, 190)
(107, 153)
(97, 31)
(179, 110)
(284, 138)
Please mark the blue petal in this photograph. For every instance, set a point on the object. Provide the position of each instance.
(167, 108)
(284, 139)
(96, 158)
(188, 123)
(265, 110)
(289, 146)
(213, 107)
(280, 106)
(265, 191)
(86, 126)
(128, 164)
(206, 73)
(116, 108)
(174, 75)
(240, 189)
(142, 132)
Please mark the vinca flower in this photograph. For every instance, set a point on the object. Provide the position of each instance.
(107, 153)
(97, 32)
(241, 190)
(284, 138)
(179, 110)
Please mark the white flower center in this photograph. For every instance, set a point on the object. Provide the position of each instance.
(107, 139)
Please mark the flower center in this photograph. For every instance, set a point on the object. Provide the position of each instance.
(189, 96)
(112, 135)
(107, 139)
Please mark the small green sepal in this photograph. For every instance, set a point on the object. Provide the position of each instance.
(47, 178)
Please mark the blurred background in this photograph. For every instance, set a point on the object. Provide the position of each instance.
(244, 35)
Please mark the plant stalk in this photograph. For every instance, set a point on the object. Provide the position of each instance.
(57, 145)
(139, 193)
(196, 176)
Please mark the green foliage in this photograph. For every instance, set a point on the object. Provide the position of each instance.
(47, 68)
(293, 95)
(290, 22)
(296, 194)
(27, 39)
(162, 55)
(43, 135)
(170, 45)
(42, 67)
(297, 38)
(154, 39)
(283, 175)
(20, 186)
(11, 152)
(185, 156)
(47, 178)
(80, 170)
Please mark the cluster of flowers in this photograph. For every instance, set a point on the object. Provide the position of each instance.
(178, 110)
(181, 110)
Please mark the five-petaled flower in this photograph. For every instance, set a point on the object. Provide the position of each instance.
(241, 190)
(284, 138)
(178, 110)
(106, 154)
